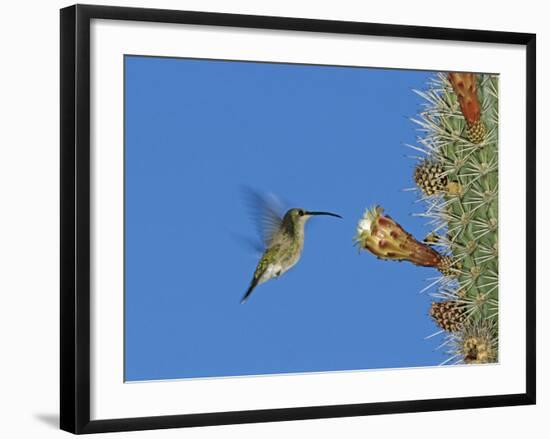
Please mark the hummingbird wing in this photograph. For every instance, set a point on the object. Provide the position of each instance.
(266, 211)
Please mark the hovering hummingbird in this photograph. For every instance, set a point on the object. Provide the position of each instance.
(283, 241)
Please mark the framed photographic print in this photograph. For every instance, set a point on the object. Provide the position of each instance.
(267, 218)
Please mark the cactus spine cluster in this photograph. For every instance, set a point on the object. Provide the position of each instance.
(457, 179)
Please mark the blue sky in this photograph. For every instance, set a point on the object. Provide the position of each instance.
(322, 138)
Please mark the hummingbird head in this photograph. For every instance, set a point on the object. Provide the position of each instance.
(299, 215)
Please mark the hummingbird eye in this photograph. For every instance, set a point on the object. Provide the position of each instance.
(301, 212)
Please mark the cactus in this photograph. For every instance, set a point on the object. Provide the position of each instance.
(459, 125)
(457, 179)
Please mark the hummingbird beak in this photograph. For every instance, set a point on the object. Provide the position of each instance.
(323, 213)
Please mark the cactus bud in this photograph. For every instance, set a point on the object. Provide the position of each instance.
(465, 87)
(429, 177)
(448, 315)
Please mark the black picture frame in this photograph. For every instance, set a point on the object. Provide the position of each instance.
(75, 217)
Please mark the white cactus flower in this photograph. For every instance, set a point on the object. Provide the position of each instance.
(365, 223)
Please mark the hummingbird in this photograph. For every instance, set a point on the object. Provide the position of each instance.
(283, 241)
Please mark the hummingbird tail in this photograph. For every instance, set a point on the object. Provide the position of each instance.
(250, 289)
